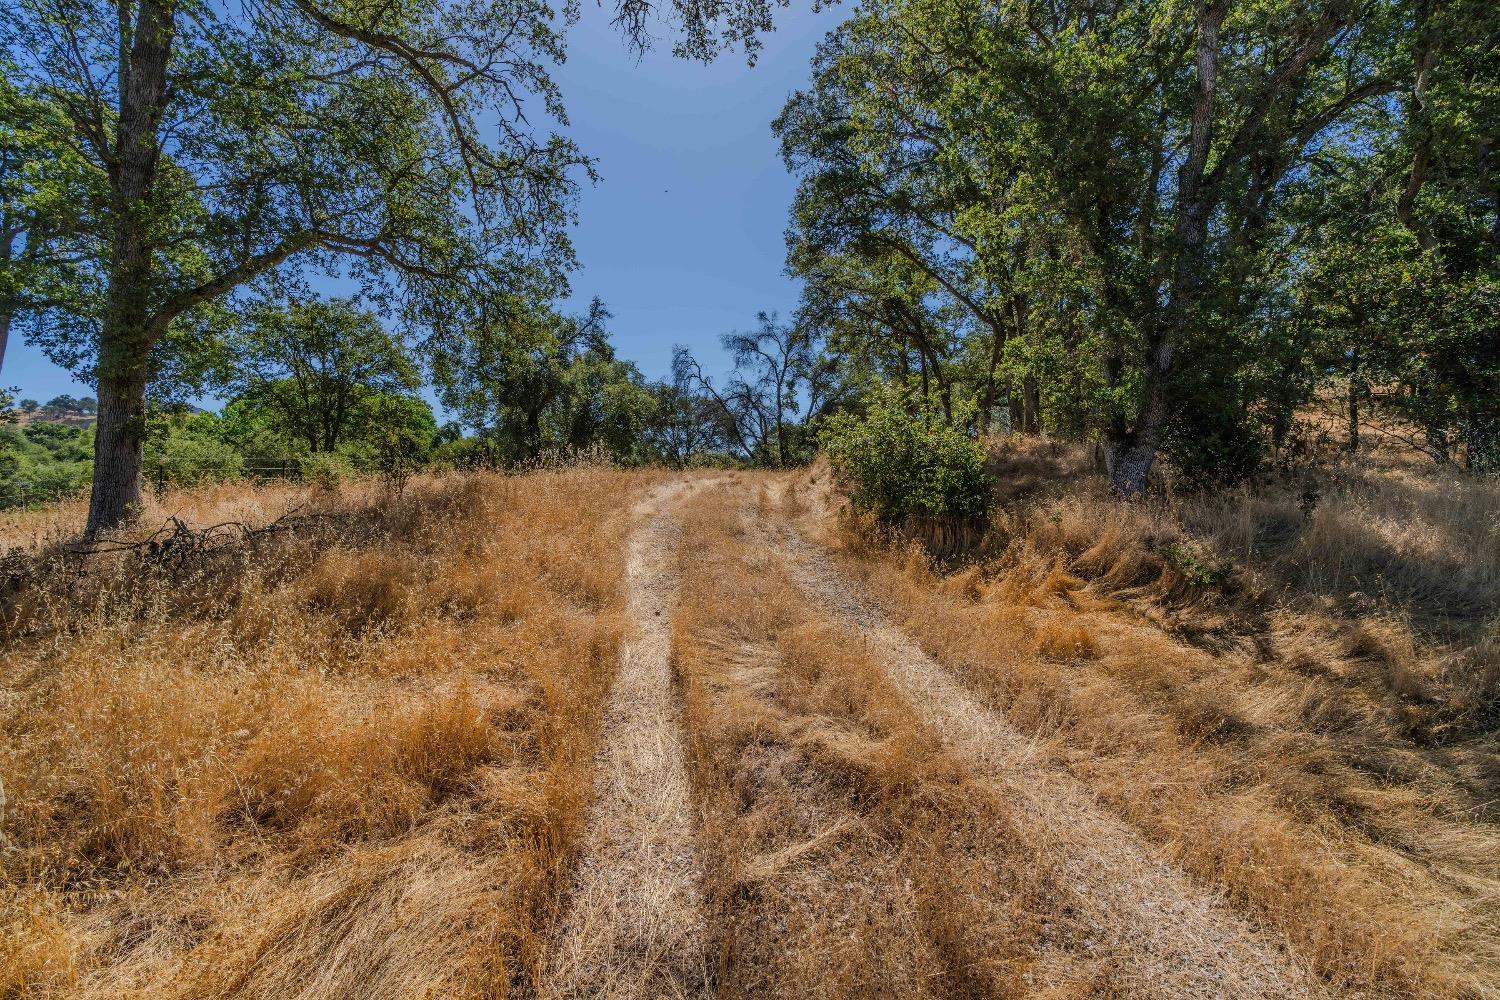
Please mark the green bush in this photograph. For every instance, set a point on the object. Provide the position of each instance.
(185, 448)
(188, 459)
(325, 469)
(43, 462)
(464, 453)
(907, 466)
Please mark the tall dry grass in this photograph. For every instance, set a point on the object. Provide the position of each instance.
(1293, 690)
(345, 761)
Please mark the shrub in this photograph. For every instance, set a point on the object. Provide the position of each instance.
(906, 466)
(42, 463)
(325, 469)
(185, 459)
(184, 448)
(465, 453)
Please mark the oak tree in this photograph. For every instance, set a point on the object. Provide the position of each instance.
(392, 145)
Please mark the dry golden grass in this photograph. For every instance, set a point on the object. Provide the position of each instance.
(634, 925)
(350, 761)
(1293, 691)
(363, 758)
(849, 854)
(253, 501)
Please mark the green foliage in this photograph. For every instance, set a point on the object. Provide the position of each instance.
(184, 448)
(42, 462)
(325, 470)
(65, 405)
(1194, 568)
(464, 453)
(258, 434)
(534, 381)
(312, 371)
(906, 464)
(170, 153)
(395, 435)
(1011, 205)
(771, 405)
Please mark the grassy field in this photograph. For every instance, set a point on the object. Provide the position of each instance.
(1296, 695)
(347, 761)
(593, 732)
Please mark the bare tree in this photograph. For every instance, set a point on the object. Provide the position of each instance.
(782, 382)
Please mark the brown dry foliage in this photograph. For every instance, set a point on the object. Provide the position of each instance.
(347, 761)
(1293, 690)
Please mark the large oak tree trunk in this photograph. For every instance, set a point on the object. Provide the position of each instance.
(1130, 454)
(127, 334)
(1128, 464)
(124, 350)
(118, 452)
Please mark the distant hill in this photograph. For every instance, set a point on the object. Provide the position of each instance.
(65, 409)
(69, 419)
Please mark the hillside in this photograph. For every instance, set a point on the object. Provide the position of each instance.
(595, 732)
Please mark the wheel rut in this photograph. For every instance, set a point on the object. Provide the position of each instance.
(634, 923)
(1184, 940)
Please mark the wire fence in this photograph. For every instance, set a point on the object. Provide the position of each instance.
(159, 474)
(19, 495)
(163, 472)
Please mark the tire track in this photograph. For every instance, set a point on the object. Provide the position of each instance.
(1185, 941)
(634, 924)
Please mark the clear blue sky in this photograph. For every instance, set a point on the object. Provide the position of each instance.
(682, 237)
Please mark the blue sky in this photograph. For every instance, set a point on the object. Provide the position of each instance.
(682, 237)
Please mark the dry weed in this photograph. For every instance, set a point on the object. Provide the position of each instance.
(849, 855)
(1295, 695)
(347, 762)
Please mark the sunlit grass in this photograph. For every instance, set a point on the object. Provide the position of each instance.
(347, 761)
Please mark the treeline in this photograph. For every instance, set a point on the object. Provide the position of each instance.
(163, 165)
(1165, 227)
(322, 388)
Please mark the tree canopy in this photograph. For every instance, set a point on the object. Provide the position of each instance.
(1161, 227)
(174, 151)
(1122, 213)
(316, 367)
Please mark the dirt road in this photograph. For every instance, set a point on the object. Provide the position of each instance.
(1183, 937)
(636, 924)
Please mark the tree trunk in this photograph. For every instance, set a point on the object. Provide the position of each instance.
(1128, 464)
(1129, 455)
(533, 434)
(1419, 122)
(124, 350)
(1031, 406)
(987, 398)
(7, 306)
(6, 315)
(1356, 385)
(126, 338)
(118, 452)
